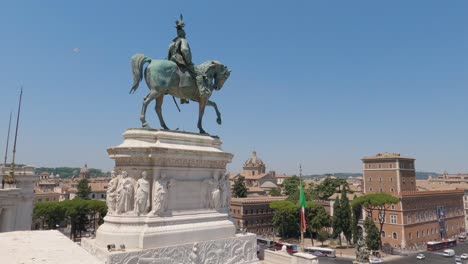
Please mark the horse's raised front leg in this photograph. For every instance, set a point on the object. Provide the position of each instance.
(201, 111)
(146, 100)
(218, 114)
(158, 108)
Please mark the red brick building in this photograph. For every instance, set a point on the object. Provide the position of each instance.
(419, 216)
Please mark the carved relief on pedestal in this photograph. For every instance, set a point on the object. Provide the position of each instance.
(160, 195)
(125, 193)
(111, 196)
(225, 192)
(142, 198)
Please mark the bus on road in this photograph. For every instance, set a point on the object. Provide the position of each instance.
(321, 251)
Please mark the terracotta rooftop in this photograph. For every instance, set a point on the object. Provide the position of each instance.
(386, 155)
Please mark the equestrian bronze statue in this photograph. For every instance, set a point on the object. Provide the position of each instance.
(179, 77)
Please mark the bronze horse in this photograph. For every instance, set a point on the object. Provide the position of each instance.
(163, 77)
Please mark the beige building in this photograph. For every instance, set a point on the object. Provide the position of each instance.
(419, 216)
(254, 213)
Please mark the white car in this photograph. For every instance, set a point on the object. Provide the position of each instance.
(420, 256)
(375, 261)
(464, 256)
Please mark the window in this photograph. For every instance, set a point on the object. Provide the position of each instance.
(380, 166)
(370, 189)
(392, 190)
(410, 236)
(393, 219)
(393, 207)
(370, 179)
(380, 189)
(253, 172)
(409, 218)
(417, 233)
(394, 235)
(391, 179)
(380, 179)
(390, 165)
(383, 234)
(93, 196)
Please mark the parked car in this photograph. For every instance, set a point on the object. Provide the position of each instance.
(420, 256)
(375, 260)
(464, 256)
(458, 260)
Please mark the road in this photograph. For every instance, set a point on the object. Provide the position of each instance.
(431, 257)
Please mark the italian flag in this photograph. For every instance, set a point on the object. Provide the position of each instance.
(303, 205)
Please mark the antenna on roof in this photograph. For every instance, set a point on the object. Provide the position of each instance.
(11, 177)
(8, 140)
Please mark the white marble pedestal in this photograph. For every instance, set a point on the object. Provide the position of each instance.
(191, 211)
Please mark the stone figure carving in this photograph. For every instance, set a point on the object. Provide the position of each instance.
(180, 53)
(194, 257)
(225, 192)
(142, 201)
(362, 252)
(125, 194)
(170, 77)
(160, 195)
(215, 193)
(111, 194)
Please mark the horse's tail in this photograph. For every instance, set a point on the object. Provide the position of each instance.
(137, 61)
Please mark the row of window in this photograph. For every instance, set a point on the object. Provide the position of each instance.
(380, 179)
(430, 215)
(252, 211)
(380, 189)
(394, 235)
(391, 165)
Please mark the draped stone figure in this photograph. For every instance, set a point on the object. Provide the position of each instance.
(125, 194)
(142, 200)
(111, 196)
(215, 199)
(225, 192)
(160, 195)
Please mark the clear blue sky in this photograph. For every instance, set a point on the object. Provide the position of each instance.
(322, 83)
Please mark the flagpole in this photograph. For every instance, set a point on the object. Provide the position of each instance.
(302, 229)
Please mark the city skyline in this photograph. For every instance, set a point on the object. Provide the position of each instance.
(312, 83)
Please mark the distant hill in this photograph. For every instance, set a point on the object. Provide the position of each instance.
(68, 172)
(343, 175)
(420, 175)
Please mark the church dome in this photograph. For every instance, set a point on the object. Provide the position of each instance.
(254, 161)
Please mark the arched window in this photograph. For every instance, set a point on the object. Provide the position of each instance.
(395, 235)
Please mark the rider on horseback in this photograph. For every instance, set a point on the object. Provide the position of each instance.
(179, 52)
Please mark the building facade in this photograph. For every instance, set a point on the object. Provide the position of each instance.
(16, 200)
(419, 216)
(254, 214)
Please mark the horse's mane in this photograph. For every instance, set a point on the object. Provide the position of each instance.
(207, 65)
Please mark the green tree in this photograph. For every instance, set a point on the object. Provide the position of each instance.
(275, 192)
(377, 203)
(337, 220)
(322, 236)
(83, 189)
(286, 218)
(356, 215)
(240, 190)
(328, 187)
(50, 214)
(77, 211)
(373, 234)
(317, 218)
(346, 218)
(291, 185)
(97, 209)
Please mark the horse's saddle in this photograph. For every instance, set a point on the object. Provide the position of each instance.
(185, 77)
